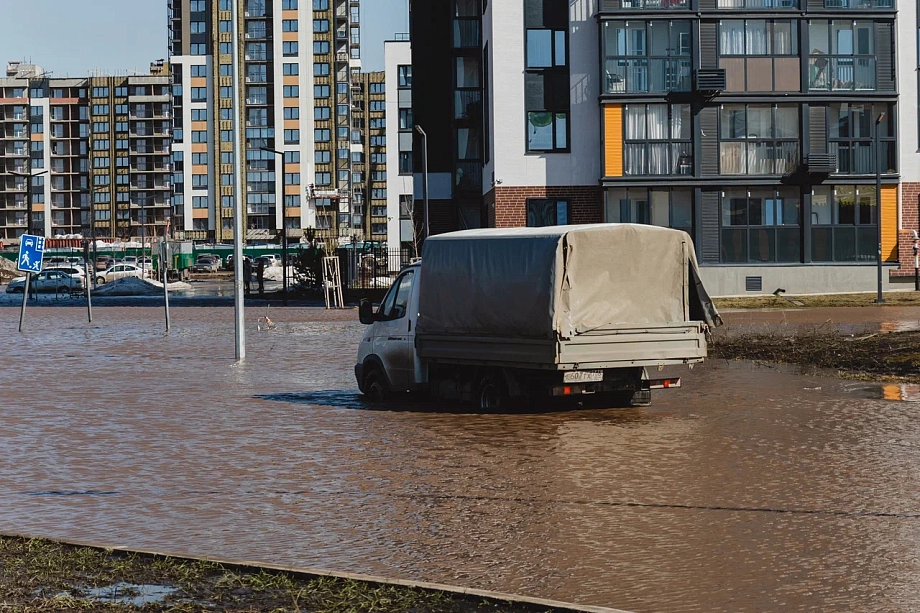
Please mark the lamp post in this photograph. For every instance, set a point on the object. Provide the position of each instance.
(424, 179)
(878, 204)
(284, 262)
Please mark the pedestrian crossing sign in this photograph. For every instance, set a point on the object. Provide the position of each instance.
(31, 250)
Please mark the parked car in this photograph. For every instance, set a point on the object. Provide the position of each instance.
(119, 271)
(213, 256)
(271, 259)
(48, 281)
(206, 263)
(78, 272)
(104, 261)
(230, 260)
(54, 261)
(131, 259)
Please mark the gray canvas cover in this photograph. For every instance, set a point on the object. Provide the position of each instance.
(555, 282)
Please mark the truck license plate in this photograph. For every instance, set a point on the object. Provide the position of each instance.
(583, 376)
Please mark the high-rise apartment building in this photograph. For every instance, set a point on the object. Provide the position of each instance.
(298, 65)
(98, 143)
(750, 124)
(401, 228)
(370, 161)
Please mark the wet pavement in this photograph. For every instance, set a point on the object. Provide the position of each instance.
(749, 489)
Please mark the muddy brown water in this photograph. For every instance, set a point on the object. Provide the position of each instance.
(749, 489)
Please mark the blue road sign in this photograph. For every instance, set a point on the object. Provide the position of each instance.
(31, 250)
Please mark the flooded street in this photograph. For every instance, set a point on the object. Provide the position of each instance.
(749, 489)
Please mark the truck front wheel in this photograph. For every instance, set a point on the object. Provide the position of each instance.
(375, 387)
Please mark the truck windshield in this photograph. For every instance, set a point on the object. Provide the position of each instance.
(397, 299)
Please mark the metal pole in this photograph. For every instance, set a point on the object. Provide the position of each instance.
(424, 180)
(89, 293)
(239, 313)
(25, 298)
(284, 265)
(878, 204)
(164, 265)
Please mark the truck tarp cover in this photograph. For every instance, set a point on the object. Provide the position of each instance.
(558, 281)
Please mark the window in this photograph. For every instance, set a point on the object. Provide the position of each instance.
(842, 55)
(292, 157)
(100, 92)
(289, 5)
(320, 69)
(759, 139)
(760, 225)
(197, 6)
(199, 158)
(291, 69)
(291, 137)
(290, 25)
(199, 180)
(657, 140)
(199, 202)
(225, 48)
(292, 112)
(199, 94)
(858, 4)
(851, 132)
(121, 92)
(545, 48)
(226, 91)
(404, 75)
(546, 80)
(320, 5)
(547, 212)
(321, 112)
(758, 4)
(199, 136)
(760, 55)
(669, 208)
(291, 91)
(378, 88)
(198, 27)
(289, 49)
(324, 178)
(199, 114)
(843, 219)
(322, 157)
(320, 25)
(320, 91)
(646, 56)
(100, 109)
(292, 178)
(225, 25)
(226, 136)
(396, 302)
(199, 49)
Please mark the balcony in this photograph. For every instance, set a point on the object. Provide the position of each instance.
(841, 73)
(647, 75)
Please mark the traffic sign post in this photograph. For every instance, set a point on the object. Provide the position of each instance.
(31, 252)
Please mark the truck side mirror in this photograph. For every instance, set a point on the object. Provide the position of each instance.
(366, 312)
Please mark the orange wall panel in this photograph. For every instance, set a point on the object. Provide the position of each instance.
(890, 223)
(613, 140)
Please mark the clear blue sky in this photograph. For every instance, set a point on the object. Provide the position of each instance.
(72, 37)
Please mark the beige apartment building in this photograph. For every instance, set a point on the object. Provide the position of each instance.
(98, 143)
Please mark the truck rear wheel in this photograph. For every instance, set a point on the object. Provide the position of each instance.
(489, 394)
(375, 387)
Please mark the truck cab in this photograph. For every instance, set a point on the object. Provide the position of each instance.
(387, 361)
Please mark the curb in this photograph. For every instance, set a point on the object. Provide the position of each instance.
(245, 564)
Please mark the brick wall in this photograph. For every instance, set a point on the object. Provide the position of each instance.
(910, 221)
(510, 204)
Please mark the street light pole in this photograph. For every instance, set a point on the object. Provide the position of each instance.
(878, 204)
(238, 221)
(424, 180)
(284, 262)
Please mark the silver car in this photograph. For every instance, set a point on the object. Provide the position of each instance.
(56, 281)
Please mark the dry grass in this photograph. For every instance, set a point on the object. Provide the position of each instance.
(891, 356)
(39, 576)
(825, 300)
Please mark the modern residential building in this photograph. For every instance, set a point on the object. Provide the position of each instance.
(103, 139)
(751, 124)
(399, 136)
(298, 63)
(370, 159)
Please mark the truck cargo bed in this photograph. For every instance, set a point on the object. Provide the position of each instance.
(609, 347)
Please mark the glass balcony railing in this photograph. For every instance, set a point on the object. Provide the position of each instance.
(841, 73)
(652, 75)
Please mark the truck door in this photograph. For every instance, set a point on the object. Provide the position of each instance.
(392, 341)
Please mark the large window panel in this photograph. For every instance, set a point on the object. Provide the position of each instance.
(546, 81)
(842, 56)
(657, 140)
(851, 137)
(760, 225)
(758, 139)
(646, 56)
(759, 55)
(843, 221)
(654, 206)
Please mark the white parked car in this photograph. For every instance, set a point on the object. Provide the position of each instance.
(119, 271)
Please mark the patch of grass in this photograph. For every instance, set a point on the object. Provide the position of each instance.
(828, 300)
(894, 355)
(39, 576)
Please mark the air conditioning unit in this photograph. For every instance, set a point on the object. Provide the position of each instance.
(821, 163)
(709, 79)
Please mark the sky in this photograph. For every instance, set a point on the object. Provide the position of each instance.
(74, 37)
